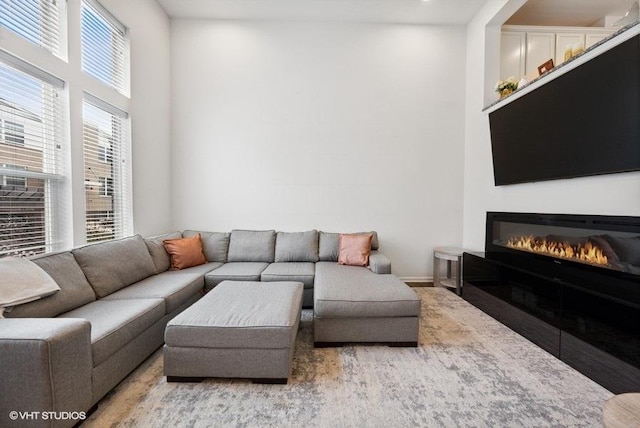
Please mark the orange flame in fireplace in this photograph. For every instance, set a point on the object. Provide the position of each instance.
(586, 253)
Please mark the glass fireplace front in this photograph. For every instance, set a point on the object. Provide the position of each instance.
(606, 242)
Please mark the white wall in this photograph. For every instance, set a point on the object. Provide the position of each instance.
(149, 32)
(338, 127)
(617, 194)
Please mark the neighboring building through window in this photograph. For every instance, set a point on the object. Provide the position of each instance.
(12, 180)
(103, 154)
(106, 186)
(12, 132)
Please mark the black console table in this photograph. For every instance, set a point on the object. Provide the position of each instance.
(595, 330)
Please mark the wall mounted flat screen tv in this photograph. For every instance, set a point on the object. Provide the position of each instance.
(585, 122)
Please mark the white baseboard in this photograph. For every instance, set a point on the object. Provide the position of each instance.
(416, 278)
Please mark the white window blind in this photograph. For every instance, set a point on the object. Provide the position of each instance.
(36, 20)
(104, 45)
(107, 171)
(31, 160)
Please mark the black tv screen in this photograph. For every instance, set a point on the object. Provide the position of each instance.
(585, 122)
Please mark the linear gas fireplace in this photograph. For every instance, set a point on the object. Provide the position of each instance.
(609, 242)
(568, 283)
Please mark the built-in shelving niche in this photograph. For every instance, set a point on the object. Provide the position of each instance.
(604, 45)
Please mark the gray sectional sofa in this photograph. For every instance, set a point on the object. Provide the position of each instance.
(66, 351)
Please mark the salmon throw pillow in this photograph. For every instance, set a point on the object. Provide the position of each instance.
(354, 249)
(185, 252)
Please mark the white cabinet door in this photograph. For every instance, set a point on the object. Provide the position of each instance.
(541, 47)
(592, 39)
(567, 41)
(513, 50)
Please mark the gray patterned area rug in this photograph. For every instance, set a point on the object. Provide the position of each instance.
(469, 370)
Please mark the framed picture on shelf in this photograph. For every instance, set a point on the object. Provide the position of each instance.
(543, 68)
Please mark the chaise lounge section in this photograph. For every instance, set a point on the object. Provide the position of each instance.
(353, 304)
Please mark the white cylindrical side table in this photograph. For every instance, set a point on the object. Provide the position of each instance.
(452, 255)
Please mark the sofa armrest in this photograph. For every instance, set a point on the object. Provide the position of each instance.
(379, 263)
(45, 366)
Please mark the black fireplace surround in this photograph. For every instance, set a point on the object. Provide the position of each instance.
(568, 283)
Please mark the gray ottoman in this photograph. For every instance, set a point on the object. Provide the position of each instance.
(238, 330)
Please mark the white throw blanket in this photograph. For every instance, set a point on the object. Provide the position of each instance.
(22, 281)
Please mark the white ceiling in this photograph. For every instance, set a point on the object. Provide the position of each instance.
(399, 11)
(534, 12)
(575, 13)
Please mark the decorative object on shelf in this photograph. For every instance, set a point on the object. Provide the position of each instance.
(573, 50)
(632, 15)
(523, 82)
(547, 66)
(506, 87)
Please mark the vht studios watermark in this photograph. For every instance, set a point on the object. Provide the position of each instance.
(47, 416)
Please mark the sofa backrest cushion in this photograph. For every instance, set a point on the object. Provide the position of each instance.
(161, 259)
(214, 244)
(74, 292)
(329, 242)
(252, 246)
(112, 265)
(297, 246)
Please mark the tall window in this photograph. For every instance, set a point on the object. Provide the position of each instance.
(104, 46)
(31, 158)
(106, 178)
(36, 20)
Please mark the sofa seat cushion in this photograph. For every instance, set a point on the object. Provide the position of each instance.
(294, 271)
(174, 289)
(114, 323)
(356, 292)
(238, 271)
(249, 315)
(112, 265)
